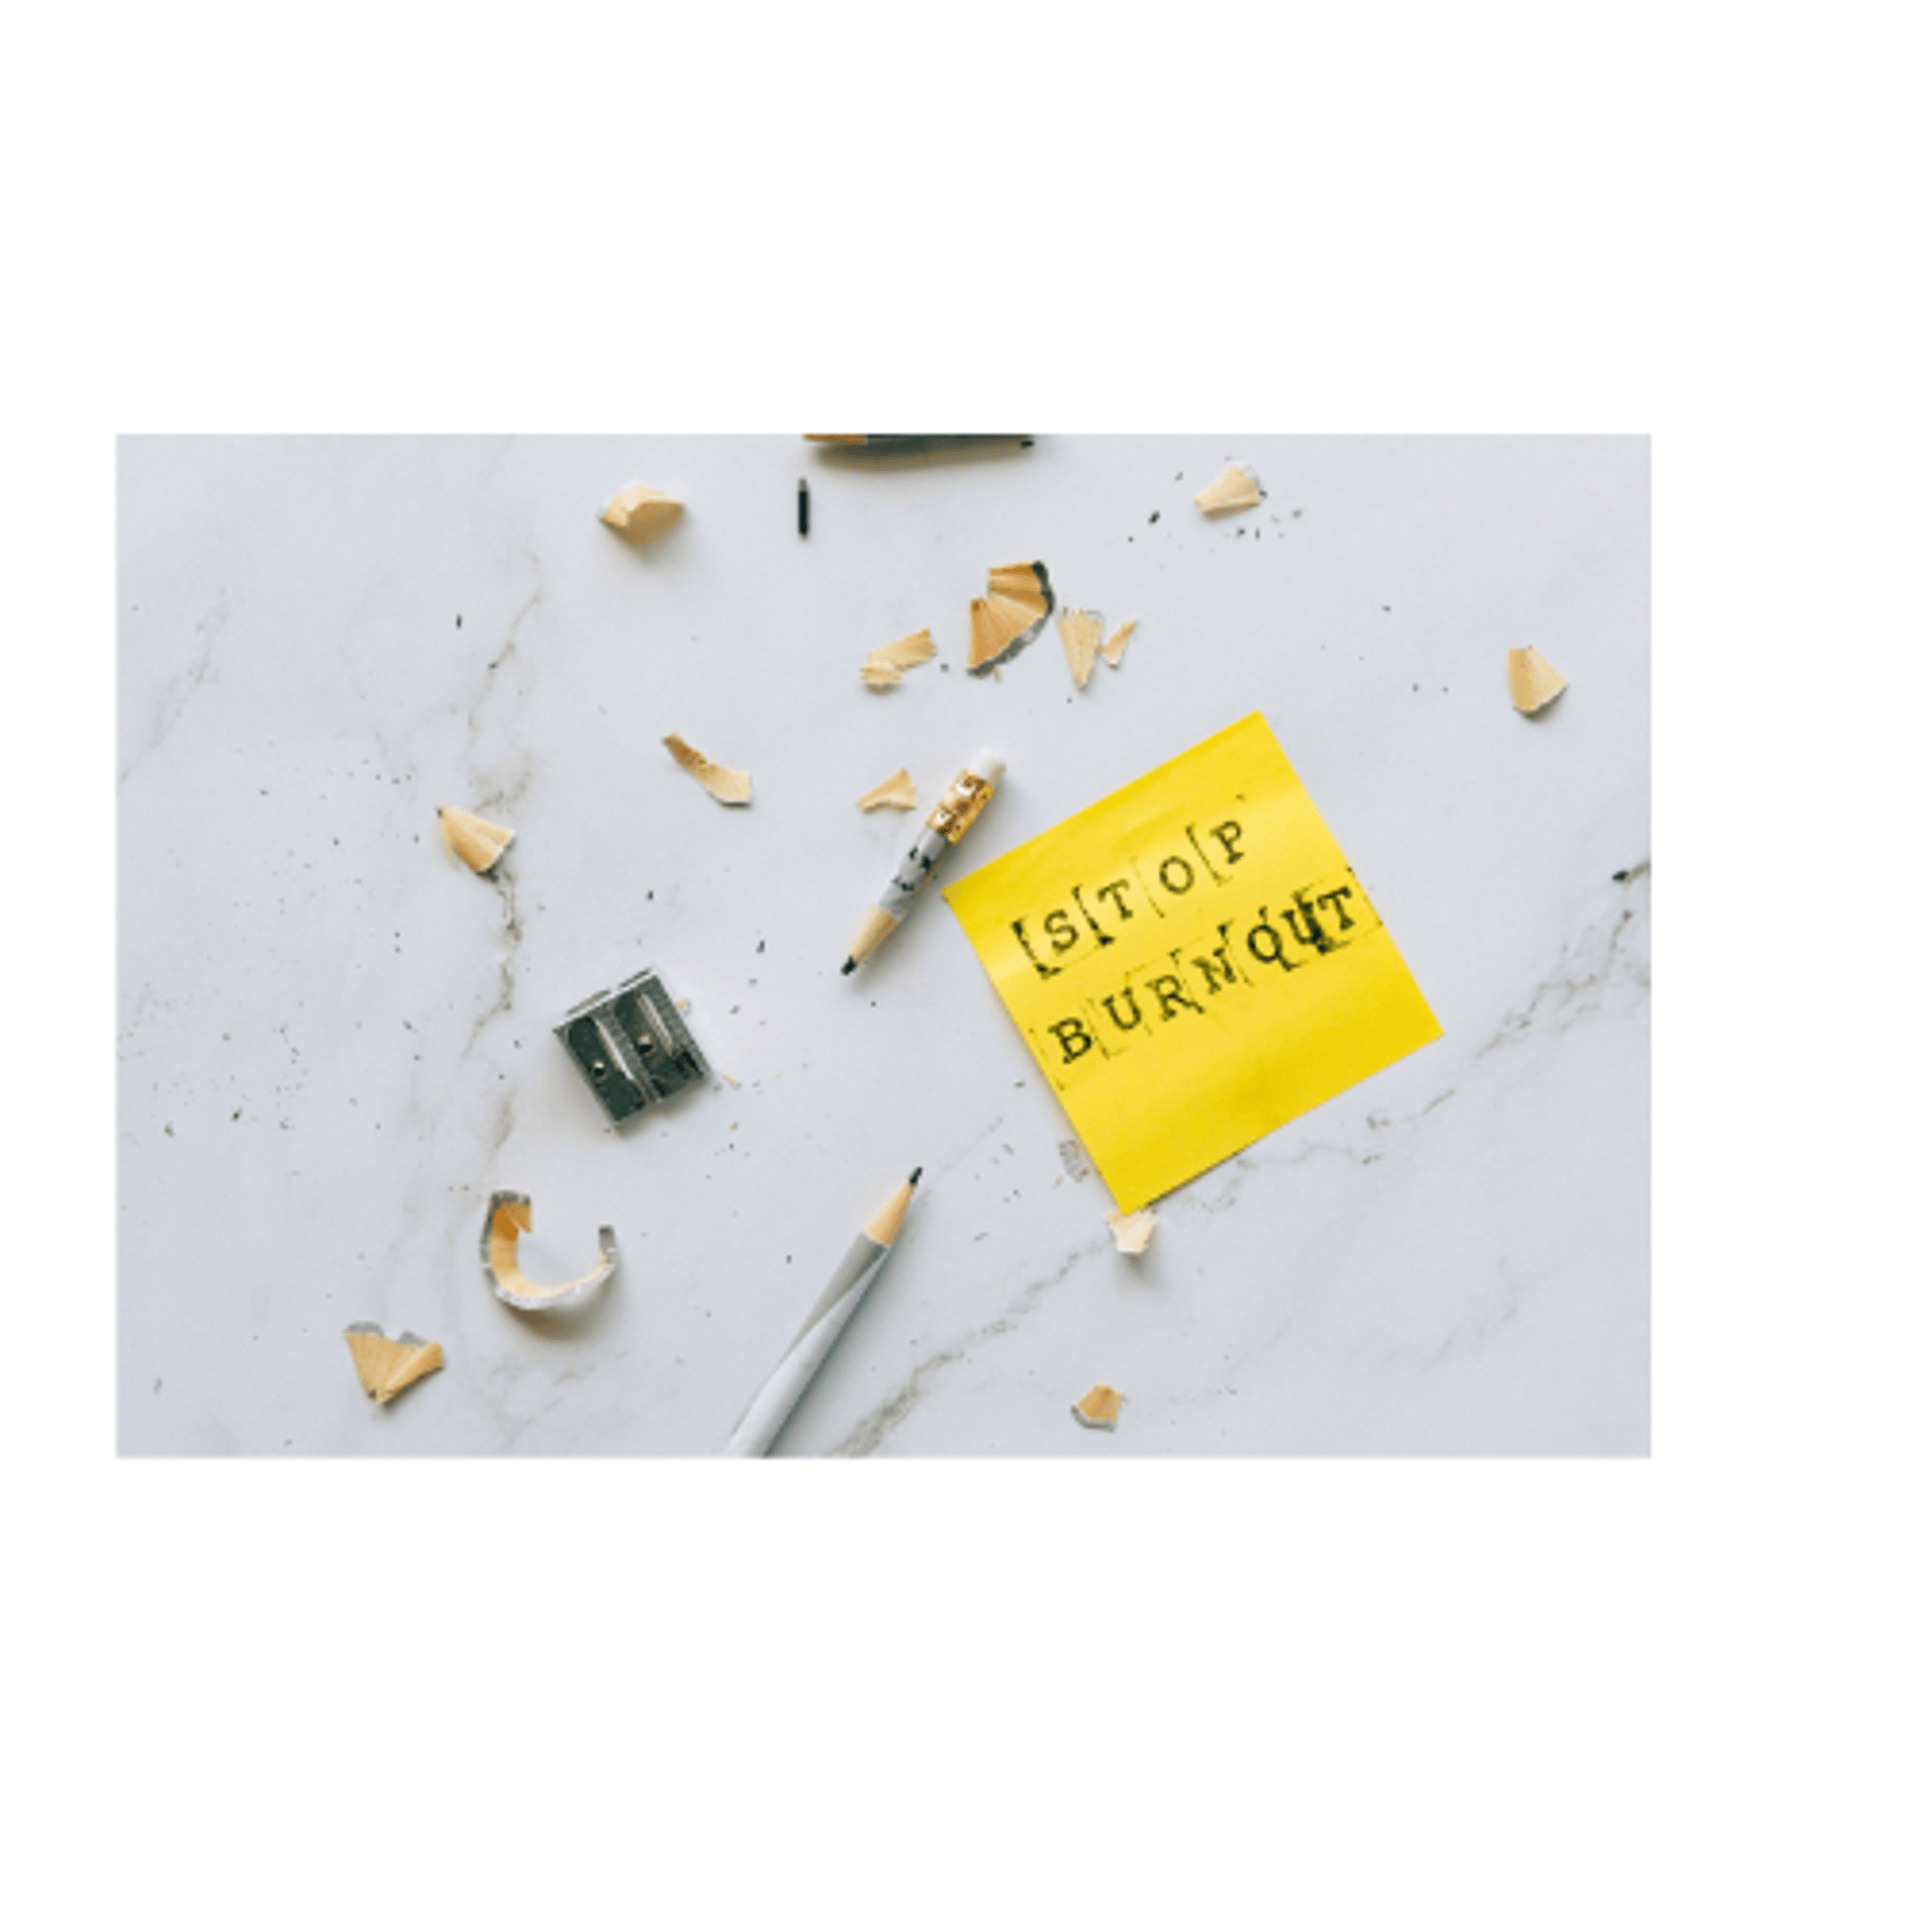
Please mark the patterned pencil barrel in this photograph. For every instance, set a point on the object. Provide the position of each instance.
(958, 808)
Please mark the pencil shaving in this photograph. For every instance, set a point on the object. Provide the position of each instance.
(885, 664)
(1009, 619)
(479, 843)
(1080, 635)
(387, 1367)
(1234, 489)
(1099, 1408)
(1132, 1231)
(509, 1215)
(640, 510)
(1115, 644)
(726, 785)
(1534, 683)
(894, 792)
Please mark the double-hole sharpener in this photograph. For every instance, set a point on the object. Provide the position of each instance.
(631, 1046)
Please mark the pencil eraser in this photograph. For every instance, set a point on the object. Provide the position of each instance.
(987, 766)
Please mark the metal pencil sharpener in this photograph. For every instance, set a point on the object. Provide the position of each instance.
(631, 1046)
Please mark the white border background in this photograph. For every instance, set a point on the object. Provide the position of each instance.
(1677, 1686)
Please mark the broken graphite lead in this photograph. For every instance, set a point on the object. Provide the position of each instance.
(913, 442)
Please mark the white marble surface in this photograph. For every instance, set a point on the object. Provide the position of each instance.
(335, 1043)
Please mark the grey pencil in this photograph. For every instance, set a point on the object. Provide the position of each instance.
(761, 1423)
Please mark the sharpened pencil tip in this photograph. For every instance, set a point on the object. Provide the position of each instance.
(913, 1179)
(849, 967)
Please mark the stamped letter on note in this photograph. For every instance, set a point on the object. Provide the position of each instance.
(1192, 962)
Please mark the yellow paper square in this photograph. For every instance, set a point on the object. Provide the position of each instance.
(1192, 962)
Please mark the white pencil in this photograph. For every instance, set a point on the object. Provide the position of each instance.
(761, 1423)
(958, 808)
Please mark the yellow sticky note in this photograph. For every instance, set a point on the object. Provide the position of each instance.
(1192, 962)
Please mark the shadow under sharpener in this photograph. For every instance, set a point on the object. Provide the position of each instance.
(632, 1047)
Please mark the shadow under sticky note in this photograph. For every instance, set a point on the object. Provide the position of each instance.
(1192, 962)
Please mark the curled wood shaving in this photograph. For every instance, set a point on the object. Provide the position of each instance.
(724, 783)
(1234, 489)
(1099, 1407)
(387, 1367)
(479, 843)
(895, 791)
(1080, 635)
(509, 1215)
(1132, 1231)
(1534, 683)
(1017, 603)
(640, 510)
(885, 664)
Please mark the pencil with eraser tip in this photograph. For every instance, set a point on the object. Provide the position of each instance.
(958, 808)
